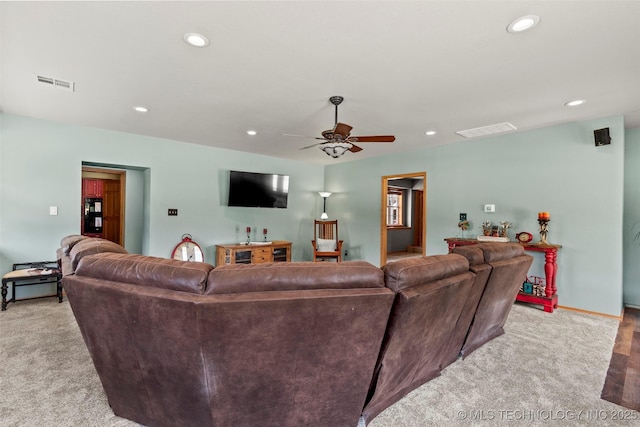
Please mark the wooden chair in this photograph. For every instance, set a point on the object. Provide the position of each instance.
(325, 241)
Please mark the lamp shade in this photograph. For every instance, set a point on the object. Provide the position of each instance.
(336, 149)
(324, 193)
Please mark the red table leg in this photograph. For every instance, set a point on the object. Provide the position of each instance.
(550, 270)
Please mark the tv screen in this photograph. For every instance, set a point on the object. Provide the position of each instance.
(258, 190)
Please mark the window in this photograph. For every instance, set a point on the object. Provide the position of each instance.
(395, 207)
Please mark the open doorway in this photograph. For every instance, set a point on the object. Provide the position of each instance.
(102, 203)
(403, 228)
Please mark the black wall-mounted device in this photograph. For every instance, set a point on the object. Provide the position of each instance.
(602, 137)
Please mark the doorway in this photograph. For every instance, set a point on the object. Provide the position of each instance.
(102, 203)
(404, 212)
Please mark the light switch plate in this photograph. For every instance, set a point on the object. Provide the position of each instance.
(172, 212)
(53, 210)
(489, 208)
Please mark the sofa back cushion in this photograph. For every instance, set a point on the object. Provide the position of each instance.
(91, 246)
(482, 271)
(472, 253)
(290, 276)
(411, 272)
(494, 252)
(509, 266)
(147, 271)
(431, 293)
(68, 242)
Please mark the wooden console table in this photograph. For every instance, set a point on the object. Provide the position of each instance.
(237, 253)
(550, 299)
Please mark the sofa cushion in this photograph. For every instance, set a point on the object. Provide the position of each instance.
(411, 272)
(146, 271)
(500, 251)
(281, 276)
(472, 253)
(67, 242)
(92, 246)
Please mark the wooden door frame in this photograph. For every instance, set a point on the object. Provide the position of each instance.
(123, 178)
(383, 211)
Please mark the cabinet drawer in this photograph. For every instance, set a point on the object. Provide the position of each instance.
(261, 255)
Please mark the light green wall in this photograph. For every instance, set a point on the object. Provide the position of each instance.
(557, 169)
(632, 218)
(40, 166)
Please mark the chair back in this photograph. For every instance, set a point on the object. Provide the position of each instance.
(325, 230)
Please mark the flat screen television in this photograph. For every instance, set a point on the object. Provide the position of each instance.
(258, 190)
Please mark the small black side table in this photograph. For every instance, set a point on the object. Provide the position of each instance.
(31, 273)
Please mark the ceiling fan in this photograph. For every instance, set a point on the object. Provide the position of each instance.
(337, 141)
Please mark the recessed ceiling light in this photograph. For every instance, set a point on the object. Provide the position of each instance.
(430, 132)
(523, 23)
(575, 103)
(141, 109)
(195, 39)
(252, 132)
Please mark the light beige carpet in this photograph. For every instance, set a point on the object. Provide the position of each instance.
(547, 367)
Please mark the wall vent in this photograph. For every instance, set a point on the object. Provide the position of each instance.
(57, 83)
(487, 130)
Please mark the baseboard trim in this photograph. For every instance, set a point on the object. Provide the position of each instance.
(595, 313)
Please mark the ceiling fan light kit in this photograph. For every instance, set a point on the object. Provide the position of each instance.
(336, 149)
(337, 141)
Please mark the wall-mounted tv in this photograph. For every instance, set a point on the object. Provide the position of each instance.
(258, 190)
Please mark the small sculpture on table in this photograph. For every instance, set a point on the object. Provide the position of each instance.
(264, 232)
(506, 225)
(464, 226)
(486, 228)
(248, 235)
(543, 221)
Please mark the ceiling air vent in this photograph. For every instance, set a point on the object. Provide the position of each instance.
(57, 83)
(487, 130)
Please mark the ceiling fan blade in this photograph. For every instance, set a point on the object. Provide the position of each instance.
(312, 145)
(303, 136)
(342, 129)
(354, 148)
(378, 138)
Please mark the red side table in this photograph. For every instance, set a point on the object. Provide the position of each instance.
(550, 299)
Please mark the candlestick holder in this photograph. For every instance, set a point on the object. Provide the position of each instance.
(544, 229)
(248, 235)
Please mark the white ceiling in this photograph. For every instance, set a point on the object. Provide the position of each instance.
(403, 67)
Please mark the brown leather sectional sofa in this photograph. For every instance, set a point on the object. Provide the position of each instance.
(280, 344)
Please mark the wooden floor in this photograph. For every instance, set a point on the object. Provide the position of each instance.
(622, 385)
(395, 256)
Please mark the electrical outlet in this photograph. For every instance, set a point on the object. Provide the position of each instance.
(489, 208)
(172, 212)
(463, 217)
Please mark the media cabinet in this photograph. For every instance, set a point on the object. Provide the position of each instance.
(253, 253)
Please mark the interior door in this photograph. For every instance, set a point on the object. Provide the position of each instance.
(418, 216)
(111, 219)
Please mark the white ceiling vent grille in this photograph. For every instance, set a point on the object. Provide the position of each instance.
(487, 130)
(57, 83)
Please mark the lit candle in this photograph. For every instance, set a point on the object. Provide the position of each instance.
(544, 216)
